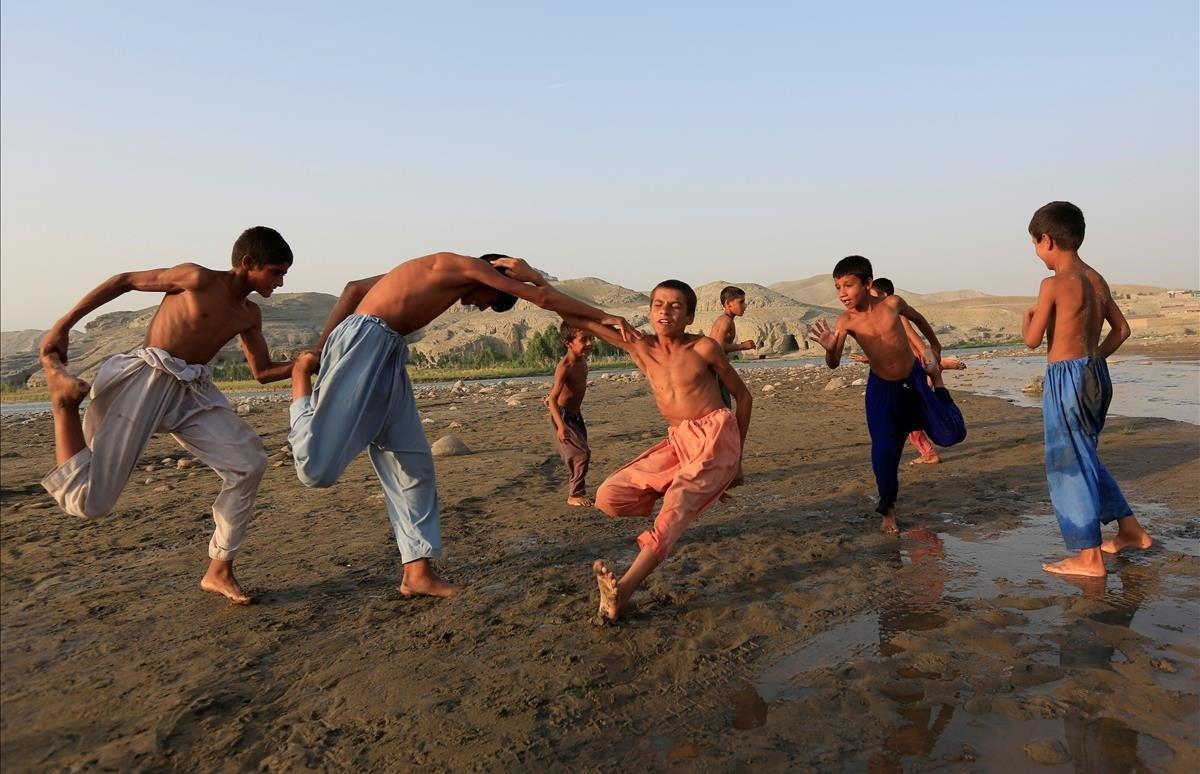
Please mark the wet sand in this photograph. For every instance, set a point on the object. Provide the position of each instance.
(784, 632)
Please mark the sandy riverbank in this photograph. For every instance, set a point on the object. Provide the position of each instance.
(785, 631)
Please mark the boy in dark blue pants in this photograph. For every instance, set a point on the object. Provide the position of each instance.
(899, 400)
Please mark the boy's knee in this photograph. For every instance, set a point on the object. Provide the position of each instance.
(315, 476)
(87, 507)
(605, 500)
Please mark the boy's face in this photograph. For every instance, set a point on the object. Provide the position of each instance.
(1044, 247)
(669, 312)
(852, 291)
(481, 297)
(736, 306)
(264, 279)
(581, 345)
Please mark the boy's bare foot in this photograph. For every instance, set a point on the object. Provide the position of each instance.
(1087, 562)
(610, 605)
(889, 524)
(66, 391)
(584, 501)
(420, 580)
(219, 580)
(932, 459)
(1129, 535)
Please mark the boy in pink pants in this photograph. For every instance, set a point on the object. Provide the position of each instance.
(702, 455)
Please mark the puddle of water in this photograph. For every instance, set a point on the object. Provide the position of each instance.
(749, 710)
(937, 572)
(1169, 389)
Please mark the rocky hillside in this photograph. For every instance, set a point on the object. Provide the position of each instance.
(777, 317)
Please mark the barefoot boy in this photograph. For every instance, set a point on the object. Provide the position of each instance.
(701, 456)
(166, 387)
(363, 398)
(565, 401)
(724, 328)
(898, 398)
(1071, 308)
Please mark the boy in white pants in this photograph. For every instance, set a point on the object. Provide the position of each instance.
(166, 386)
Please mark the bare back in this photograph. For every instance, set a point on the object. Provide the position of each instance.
(194, 325)
(416, 292)
(682, 380)
(1081, 297)
(724, 331)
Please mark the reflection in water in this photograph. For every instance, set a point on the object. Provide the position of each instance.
(749, 710)
(933, 573)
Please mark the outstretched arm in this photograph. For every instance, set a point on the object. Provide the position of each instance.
(1118, 325)
(524, 282)
(923, 325)
(347, 302)
(832, 339)
(603, 332)
(185, 276)
(1033, 326)
(258, 355)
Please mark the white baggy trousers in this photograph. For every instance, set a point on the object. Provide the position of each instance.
(138, 394)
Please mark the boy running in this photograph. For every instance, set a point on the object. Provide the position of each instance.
(565, 401)
(724, 328)
(363, 398)
(166, 386)
(702, 454)
(898, 398)
(1071, 308)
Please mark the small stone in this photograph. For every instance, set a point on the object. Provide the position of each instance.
(1164, 665)
(149, 468)
(243, 409)
(454, 425)
(427, 421)
(449, 446)
(836, 383)
(1034, 386)
(184, 463)
(168, 460)
(768, 388)
(858, 382)
(1049, 752)
(163, 488)
(148, 481)
(281, 463)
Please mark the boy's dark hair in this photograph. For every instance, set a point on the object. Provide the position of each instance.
(731, 292)
(504, 301)
(688, 294)
(567, 334)
(854, 264)
(264, 245)
(884, 285)
(1062, 221)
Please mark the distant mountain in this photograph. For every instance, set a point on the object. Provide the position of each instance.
(818, 290)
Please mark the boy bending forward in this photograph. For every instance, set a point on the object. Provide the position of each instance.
(702, 454)
(565, 401)
(166, 386)
(898, 398)
(363, 398)
(1071, 308)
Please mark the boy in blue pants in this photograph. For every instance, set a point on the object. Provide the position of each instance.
(1071, 308)
(899, 400)
(363, 398)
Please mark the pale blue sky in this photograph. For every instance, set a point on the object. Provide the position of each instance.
(632, 141)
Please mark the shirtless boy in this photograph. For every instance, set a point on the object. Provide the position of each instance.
(1071, 308)
(166, 386)
(565, 400)
(702, 454)
(882, 287)
(724, 328)
(363, 398)
(899, 399)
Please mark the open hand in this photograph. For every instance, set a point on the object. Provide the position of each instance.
(520, 271)
(858, 357)
(822, 334)
(55, 342)
(629, 334)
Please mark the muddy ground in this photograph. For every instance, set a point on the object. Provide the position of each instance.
(785, 632)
